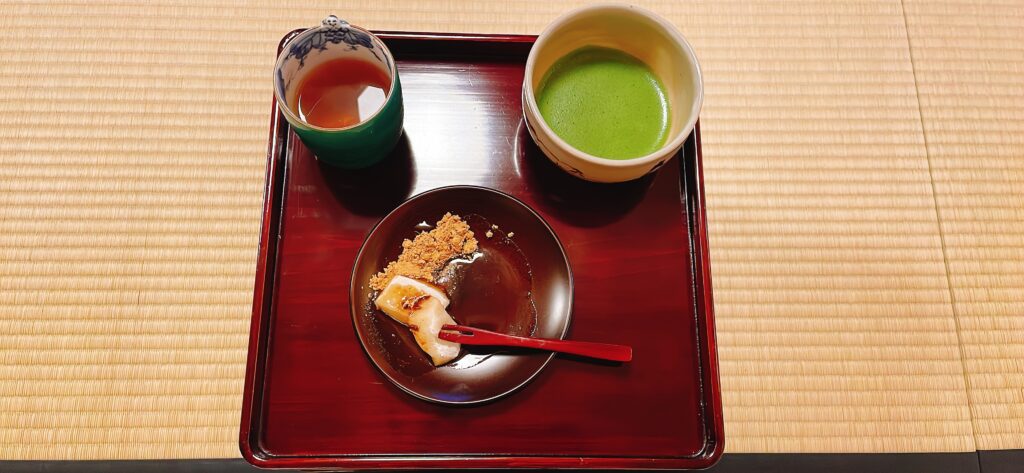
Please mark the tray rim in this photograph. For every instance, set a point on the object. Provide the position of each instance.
(250, 447)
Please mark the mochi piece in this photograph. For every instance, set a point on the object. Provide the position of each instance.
(394, 300)
(425, 321)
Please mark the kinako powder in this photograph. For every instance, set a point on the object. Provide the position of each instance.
(429, 251)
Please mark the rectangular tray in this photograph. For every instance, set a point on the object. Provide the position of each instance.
(312, 398)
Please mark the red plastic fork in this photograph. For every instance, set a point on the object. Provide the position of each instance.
(475, 336)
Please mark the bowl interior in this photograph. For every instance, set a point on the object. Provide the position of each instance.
(638, 33)
(480, 374)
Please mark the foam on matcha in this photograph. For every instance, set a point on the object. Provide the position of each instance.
(606, 103)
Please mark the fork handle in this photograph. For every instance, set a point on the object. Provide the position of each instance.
(476, 336)
(601, 351)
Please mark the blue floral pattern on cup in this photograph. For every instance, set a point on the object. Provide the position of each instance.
(334, 31)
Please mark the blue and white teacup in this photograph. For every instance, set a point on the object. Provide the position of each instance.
(362, 144)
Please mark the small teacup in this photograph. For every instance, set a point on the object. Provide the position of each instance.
(352, 147)
(641, 34)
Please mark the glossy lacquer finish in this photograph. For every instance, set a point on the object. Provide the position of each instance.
(639, 259)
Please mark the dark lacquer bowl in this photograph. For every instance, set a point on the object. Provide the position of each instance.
(480, 374)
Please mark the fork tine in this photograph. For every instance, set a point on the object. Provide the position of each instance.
(460, 329)
(450, 336)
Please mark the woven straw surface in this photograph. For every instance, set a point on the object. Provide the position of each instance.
(969, 58)
(862, 164)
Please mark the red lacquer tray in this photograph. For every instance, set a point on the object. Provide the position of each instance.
(640, 261)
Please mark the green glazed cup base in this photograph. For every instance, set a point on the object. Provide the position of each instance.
(361, 146)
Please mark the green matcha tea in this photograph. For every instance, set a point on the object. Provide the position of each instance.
(606, 103)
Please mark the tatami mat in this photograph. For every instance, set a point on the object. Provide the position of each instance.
(969, 58)
(836, 332)
(132, 139)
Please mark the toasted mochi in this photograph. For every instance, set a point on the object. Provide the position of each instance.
(394, 299)
(425, 321)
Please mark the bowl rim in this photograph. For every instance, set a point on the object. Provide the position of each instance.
(354, 309)
(530, 99)
(282, 104)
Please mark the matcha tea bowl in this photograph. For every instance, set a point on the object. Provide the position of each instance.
(337, 86)
(611, 92)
